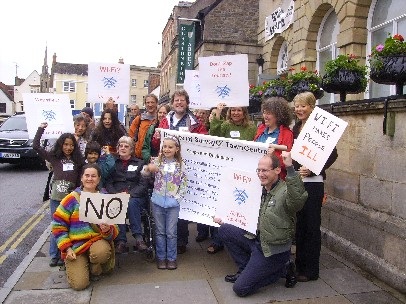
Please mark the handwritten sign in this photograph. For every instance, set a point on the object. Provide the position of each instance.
(51, 108)
(317, 139)
(241, 200)
(192, 86)
(279, 20)
(109, 80)
(98, 208)
(210, 159)
(224, 79)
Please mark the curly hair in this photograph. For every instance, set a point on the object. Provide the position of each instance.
(57, 151)
(279, 107)
(246, 120)
(100, 132)
(180, 93)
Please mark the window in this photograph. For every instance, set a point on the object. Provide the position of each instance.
(133, 98)
(69, 86)
(282, 64)
(145, 83)
(72, 104)
(386, 17)
(34, 89)
(3, 107)
(87, 104)
(327, 48)
(133, 82)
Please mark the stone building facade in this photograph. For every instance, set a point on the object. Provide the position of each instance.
(365, 216)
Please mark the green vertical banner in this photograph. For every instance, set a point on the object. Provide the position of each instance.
(186, 52)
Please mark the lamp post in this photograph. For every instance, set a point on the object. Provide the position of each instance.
(260, 61)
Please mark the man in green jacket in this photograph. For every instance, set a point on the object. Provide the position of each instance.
(263, 258)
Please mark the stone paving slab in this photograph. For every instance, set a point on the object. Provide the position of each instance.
(376, 297)
(42, 280)
(324, 300)
(61, 296)
(277, 292)
(174, 292)
(347, 281)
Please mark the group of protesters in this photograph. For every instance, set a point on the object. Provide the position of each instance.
(107, 157)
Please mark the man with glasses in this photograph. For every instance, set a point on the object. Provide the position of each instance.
(263, 258)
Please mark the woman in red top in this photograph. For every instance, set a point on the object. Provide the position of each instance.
(277, 116)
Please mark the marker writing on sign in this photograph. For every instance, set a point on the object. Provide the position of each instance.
(111, 211)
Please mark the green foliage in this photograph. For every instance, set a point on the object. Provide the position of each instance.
(261, 89)
(393, 46)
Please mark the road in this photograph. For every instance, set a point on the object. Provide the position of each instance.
(24, 216)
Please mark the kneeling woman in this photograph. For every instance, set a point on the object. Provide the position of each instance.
(86, 248)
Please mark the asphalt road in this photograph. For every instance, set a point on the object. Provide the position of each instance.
(23, 214)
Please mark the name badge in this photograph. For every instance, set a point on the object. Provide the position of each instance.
(184, 129)
(235, 134)
(67, 167)
(270, 140)
(169, 168)
(132, 168)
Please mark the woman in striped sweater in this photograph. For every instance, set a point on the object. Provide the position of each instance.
(86, 248)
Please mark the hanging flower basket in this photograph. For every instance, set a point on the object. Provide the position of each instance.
(390, 70)
(305, 86)
(343, 82)
(277, 88)
(255, 102)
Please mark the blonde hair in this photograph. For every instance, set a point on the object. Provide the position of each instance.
(177, 156)
(305, 98)
(246, 120)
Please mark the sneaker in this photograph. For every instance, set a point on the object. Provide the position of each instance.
(60, 263)
(121, 248)
(141, 246)
(291, 279)
(171, 265)
(54, 262)
(231, 278)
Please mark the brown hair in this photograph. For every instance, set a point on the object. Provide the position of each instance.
(181, 92)
(279, 107)
(246, 120)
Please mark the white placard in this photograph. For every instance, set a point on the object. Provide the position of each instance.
(51, 108)
(224, 79)
(317, 139)
(99, 208)
(241, 202)
(209, 160)
(192, 86)
(280, 19)
(107, 80)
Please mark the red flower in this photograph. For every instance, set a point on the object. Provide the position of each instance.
(291, 69)
(315, 71)
(252, 86)
(303, 68)
(398, 37)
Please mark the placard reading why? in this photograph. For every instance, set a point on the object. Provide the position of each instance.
(317, 139)
(99, 208)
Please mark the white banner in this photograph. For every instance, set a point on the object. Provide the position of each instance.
(224, 79)
(221, 177)
(99, 208)
(280, 19)
(192, 85)
(51, 108)
(317, 139)
(107, 80)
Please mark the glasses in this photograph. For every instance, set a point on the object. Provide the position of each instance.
(124, 146)
(263, 170)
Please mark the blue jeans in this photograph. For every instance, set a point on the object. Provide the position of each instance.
(135, 206)
(54, 252)
(166, 220)
(256, 270)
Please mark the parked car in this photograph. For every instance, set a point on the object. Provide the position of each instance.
(15, 146)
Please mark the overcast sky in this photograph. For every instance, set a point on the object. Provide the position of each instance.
(80, 31)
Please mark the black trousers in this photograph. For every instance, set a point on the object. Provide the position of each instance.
(308, 235)
(183, 232)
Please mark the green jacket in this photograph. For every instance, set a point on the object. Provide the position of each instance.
(277, 214)
(146, 146)
(223, 128)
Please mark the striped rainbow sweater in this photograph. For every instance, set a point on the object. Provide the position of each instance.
(69, 231)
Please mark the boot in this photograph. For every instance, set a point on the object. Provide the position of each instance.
(291, 279)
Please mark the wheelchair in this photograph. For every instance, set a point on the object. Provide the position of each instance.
(148, 226)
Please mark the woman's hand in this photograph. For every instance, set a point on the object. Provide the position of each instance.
(304, 172)
(219, 109)
(218, 220)
(271, 150)
(70, 254)
(106, 150)
(104, 228)
(43, 125)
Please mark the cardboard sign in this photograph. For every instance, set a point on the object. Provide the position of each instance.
(109, 80)
(224, 79)
(99, 208)
(212, 165)
(280, 19)
(51, 108)
(317, 139)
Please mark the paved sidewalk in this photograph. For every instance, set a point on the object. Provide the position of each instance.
(199, 279)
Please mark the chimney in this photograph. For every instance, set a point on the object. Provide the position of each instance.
(121, 60)
(54, 59)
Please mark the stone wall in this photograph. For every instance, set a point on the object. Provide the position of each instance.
(364, 218)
